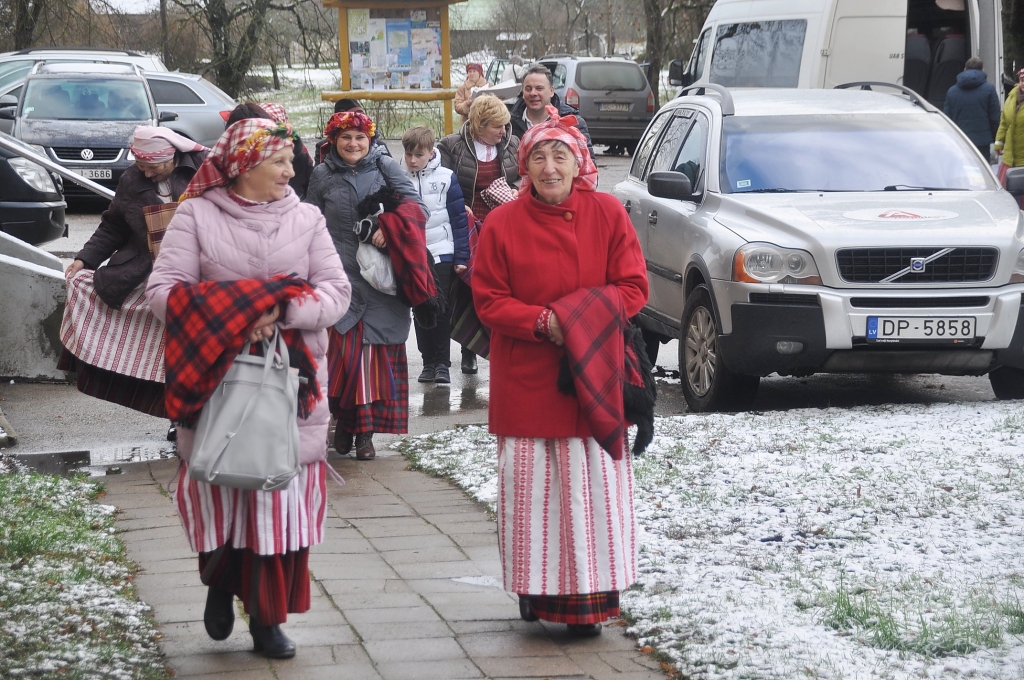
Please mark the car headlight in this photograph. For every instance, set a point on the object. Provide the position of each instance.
(1018, 269)
(767, 263)
(34, 175)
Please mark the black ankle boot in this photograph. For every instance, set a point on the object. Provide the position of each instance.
(271, 642)
(219, 616)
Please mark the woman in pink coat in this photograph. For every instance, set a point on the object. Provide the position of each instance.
(238, 220)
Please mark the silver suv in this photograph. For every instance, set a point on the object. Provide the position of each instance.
(612, 94)
(803, 231)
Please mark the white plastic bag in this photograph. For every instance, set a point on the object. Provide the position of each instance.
(376, 268)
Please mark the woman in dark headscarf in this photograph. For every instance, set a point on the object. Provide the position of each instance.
(558, 273)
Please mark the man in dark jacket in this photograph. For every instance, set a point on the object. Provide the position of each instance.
(974, 105)
(538, 92)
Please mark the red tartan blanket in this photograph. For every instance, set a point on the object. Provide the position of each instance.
(405, 229)
(599, 360)
(207, 325)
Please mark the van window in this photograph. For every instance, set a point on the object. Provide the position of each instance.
(700, 56)
(759, 54)
(610, 75)
(558, 73)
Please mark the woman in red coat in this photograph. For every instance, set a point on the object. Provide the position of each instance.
(560, 270)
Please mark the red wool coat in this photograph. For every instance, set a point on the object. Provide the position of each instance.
(531, 254)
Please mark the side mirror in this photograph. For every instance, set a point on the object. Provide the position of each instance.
(167, 117)
(8, 100)
(675, 72)
(8, 113)
(1014, 181)
(673, 185)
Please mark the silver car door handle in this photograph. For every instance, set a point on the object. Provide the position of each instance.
(653, 219)
(628, 205)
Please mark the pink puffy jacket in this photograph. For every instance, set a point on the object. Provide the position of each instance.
(213, 238)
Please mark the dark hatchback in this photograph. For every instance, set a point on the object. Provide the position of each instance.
(31, 204)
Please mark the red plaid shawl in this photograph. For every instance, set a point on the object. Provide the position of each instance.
(207, 325)
(406, 235)
(593, 322)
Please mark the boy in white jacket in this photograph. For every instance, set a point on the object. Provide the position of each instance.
(447, 240)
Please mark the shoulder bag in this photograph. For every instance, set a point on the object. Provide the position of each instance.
(248, 434)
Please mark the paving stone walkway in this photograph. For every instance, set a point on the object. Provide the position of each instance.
(406, 587)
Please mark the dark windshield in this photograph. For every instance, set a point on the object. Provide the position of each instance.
(91, 99)
(848, 153)
(610, 75)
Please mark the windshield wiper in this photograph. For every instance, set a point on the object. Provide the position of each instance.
(620, 89)
(780, 190)
(907, 187)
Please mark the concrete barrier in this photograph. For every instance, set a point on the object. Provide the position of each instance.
(32, 296)
(19, 250)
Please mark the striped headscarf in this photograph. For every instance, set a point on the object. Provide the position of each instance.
(242, 147)
(562, 129)
(349, 120)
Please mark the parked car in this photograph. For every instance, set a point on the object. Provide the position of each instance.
(200, 105)
(31, 204)
(32, 55)
(801, 231)
(612, 94)
(82, 115)
(921, 44)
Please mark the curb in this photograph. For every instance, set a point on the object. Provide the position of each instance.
(7, 435)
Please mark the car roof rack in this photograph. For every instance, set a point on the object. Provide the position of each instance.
(32, 50)
(911, 95)
(728, 108)
(557, 55)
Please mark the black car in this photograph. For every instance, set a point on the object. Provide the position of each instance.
(31, 204)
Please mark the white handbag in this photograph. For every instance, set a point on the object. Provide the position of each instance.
(375, 266)
(248, 434)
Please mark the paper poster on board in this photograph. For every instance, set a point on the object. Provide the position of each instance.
(358, 24)
(399, 44)
(378, 44)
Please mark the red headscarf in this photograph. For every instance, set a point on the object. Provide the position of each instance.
(562, 129)
(275, 111)
(242, 147)
(349, 120)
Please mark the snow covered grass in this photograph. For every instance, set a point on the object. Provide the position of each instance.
(67, 604)
(872, 542)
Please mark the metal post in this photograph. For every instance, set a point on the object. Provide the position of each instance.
(31, 155)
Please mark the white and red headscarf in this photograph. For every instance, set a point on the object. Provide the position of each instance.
(275, 111)
(562, 129)
(159, 144)
(242, 147)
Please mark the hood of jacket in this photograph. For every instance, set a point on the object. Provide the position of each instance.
(271, 211)
(971, 79)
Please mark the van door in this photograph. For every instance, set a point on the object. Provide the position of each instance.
(987, 35)
(867, 42)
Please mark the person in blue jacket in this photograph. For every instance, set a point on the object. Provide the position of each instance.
(447, 240)
(974, 105)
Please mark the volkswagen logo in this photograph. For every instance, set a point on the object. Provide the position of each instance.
(917, 264)
(87, 154)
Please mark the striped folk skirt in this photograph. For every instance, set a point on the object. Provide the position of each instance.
(567, 533)
(367, 385)
(117, 354)
(266, 522)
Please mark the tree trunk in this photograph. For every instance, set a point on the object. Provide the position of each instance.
(655, 44)
(273, 71)
(164, 47)
(26, 18)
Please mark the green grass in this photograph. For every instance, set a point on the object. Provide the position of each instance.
(67, 604)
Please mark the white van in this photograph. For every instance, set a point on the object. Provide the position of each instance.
(921, 44)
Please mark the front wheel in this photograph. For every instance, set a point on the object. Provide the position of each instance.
(1007, 382)
(707, 384)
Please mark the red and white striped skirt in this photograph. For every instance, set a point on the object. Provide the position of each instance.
(128, 341)
(267, 522)
(565, 517)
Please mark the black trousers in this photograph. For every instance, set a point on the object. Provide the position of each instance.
(985, 149)
(435, 343)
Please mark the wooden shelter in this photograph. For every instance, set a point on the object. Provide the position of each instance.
(397, 50)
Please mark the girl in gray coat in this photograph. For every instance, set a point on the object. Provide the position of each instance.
(368, 384)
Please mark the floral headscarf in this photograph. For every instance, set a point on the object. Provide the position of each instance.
(242, 147)
(349, 120)
(562, 129)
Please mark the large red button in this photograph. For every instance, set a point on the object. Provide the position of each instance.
(568, 217)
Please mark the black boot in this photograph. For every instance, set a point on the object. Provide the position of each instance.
(468, 363)
(585, 629)
(271, 642)
(525, 610)
(219, 616)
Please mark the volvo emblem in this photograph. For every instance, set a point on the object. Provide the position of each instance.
(917, 265)
(87, 154)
